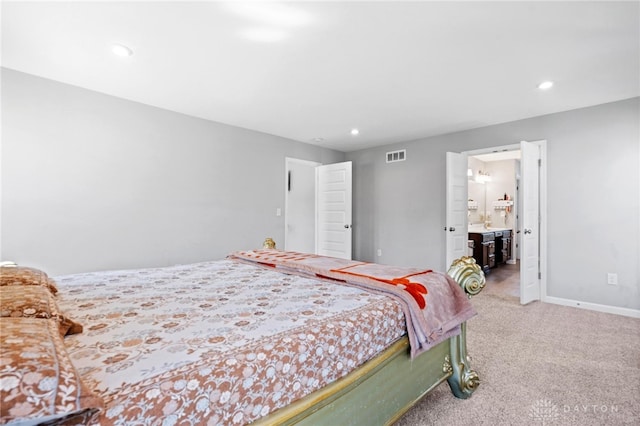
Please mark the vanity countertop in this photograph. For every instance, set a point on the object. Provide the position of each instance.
(480, 229)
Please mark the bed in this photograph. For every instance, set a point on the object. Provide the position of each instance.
(262, 337)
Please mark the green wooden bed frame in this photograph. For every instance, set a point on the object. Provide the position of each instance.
(384, 388)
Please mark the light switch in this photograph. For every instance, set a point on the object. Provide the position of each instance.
(278, 211)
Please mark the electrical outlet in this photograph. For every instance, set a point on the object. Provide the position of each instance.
(612, 279)
(379, 252)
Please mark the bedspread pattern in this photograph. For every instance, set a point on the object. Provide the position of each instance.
(190, 344)
(445, 304)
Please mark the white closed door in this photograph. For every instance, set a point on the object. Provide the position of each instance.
(333, 210)
(530, 223)
(456, 205)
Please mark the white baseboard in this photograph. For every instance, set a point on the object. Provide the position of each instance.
(633, 313)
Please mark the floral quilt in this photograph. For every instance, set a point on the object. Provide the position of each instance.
(217, 342)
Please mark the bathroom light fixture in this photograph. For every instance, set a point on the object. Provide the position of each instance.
(121, 50)
(483, 177)
(355, 132)
(545, 85)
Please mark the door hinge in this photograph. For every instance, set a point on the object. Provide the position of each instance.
(539, 162)
(539, 275)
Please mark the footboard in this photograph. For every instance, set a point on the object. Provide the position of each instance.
(384, 388)
(463, 380)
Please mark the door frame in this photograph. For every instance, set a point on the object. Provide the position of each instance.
(542, 202)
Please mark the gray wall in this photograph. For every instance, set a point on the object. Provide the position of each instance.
(593, 199)
(92, 182)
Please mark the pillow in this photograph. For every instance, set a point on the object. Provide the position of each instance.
(21, 275)
(34, 302)
(38, 382)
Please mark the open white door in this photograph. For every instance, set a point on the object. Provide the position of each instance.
(530, 223)
(456, 205)
(333, 210)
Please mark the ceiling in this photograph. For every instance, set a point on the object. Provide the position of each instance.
(312, 71)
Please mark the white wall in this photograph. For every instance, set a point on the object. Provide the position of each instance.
(92, 182)
(476, 191)
(503, 181)
(593, 199)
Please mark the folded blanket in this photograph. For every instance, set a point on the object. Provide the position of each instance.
(433, 303)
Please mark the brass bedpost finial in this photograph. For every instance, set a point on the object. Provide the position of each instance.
(468, 274)
(269, 243)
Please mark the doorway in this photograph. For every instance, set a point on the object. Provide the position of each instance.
(530, 228)
(299, 205)
(493, 194)
(318, 208)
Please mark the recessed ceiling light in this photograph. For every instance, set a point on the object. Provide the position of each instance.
(355, 132)
(545, 85)
(121, 50)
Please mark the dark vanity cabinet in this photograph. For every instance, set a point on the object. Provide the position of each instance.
(503, 246)
(484, 249)
(491, 248)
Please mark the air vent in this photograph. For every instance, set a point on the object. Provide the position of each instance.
(395, 156)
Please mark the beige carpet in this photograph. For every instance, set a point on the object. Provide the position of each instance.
(542, 364)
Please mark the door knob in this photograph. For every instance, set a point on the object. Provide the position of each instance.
(347, 226)
(527, 231)
(451, 229)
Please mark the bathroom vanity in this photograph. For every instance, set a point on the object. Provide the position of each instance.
(491, 246)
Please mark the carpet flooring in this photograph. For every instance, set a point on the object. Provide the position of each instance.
(541, 364)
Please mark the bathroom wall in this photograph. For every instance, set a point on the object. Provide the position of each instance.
(503, 181)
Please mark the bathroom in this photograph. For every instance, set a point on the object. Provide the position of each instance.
(493, 195)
